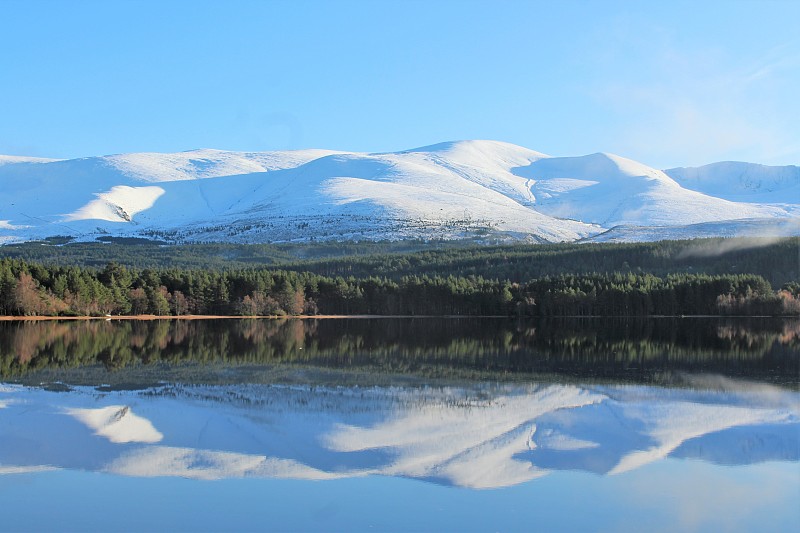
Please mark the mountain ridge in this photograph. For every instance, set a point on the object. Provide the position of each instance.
(480, 190)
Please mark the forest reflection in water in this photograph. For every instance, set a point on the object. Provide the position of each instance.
(631, 349)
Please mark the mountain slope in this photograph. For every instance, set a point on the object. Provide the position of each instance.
(742, 182)
(483, 190)
(610, 190)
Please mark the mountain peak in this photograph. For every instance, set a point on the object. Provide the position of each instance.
(476, 146)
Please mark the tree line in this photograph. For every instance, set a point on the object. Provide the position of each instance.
(37, 289)
(777, 261)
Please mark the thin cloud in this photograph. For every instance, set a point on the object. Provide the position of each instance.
(781, 58)
(693, 107)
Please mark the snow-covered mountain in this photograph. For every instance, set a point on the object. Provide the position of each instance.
(742, 182)
(484, 190)
(486, 436)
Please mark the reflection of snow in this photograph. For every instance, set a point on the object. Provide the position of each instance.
(118, 424)
(555, 440)
(671, 424)
(5, 224)
(488, 436)
(25, 469)
(470, 447)
(206, 464)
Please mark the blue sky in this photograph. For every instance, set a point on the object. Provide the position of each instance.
(666, 83)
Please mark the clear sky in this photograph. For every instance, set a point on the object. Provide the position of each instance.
(667, 83)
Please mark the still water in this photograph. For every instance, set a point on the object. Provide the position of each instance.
(398, 425)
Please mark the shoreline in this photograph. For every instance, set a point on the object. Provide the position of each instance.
(10, 318)
(34, 318)
(7, 318)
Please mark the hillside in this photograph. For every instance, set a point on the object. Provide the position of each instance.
(485, 191)
(742, 182)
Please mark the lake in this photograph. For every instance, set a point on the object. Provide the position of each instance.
(400, 424)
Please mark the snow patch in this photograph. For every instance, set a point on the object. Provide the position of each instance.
(120, 204)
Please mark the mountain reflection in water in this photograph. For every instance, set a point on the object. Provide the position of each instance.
(478, 436)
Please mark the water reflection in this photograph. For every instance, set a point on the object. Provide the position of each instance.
(478, 436)
(637, 350)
